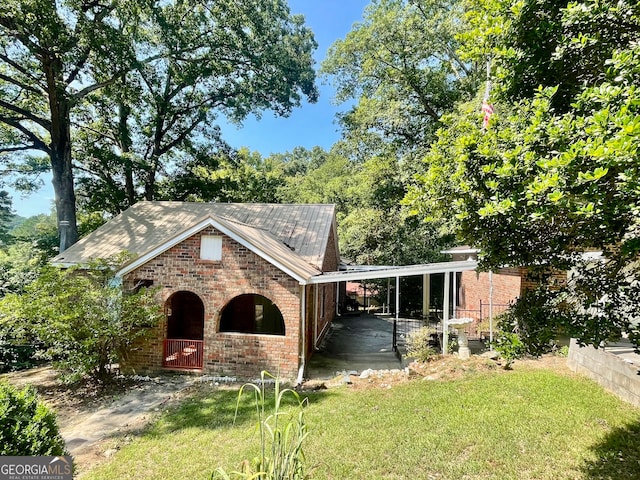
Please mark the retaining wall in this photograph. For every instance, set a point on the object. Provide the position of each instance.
(606, 368)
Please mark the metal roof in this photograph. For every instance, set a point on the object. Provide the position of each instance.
(293, 236)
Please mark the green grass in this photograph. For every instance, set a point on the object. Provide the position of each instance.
(524, 424)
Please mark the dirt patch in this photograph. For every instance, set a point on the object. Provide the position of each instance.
(439, 369)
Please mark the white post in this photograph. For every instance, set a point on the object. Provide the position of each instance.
(397, 298)
(303, 333)
(426, 294)
(315, 315)
(337, 298)
(445, 314)
(388, 295)
(490, 310)
(455, 295)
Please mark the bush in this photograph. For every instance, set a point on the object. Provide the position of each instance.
(27, 426)
(82, 316)
(421, 344)
(536, 319)
(510, 347)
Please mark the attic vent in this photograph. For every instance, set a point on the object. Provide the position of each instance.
(211, 247)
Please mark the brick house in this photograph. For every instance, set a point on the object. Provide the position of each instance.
(233, 280)
(475, 290)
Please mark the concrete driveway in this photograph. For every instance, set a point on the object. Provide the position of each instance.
(355, 343)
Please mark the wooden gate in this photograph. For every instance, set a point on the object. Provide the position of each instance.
(179, 353)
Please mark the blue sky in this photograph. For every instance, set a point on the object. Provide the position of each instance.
(307, 126)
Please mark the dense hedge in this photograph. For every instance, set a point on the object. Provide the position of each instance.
(27, 426)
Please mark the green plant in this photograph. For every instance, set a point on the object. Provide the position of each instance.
(419, 344)
(281, 436)
(563, 351)
(85, 318)
(27, 426)
(510, 347)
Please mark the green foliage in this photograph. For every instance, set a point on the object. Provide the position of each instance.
(402, 79)
(537, 318)
(555, 174)
(510, 347)
(200, 61)
(82, 316)
(281, 436)
(27, 426)
(419, 345)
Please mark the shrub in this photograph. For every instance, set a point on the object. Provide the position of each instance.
(281, 436)
(537, 319)
(83, 317)
(421, 345)
(27, 426)
(510, 347)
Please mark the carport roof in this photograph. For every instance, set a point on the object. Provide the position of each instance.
(375, 272)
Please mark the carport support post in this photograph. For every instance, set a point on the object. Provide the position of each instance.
(395, 320)
(445, 314)
(426, 294)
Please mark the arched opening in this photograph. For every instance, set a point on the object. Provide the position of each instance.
(183, 347)
(251, 313)
(185, 316)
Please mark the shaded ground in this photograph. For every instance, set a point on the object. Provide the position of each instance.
(89, 415)
(354, 343)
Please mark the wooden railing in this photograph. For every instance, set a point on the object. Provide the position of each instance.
(179, 353)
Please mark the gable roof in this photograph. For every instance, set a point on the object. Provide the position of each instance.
(293, 237)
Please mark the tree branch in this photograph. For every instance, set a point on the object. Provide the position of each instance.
(19, 68)
(38, 144)
(46, 124)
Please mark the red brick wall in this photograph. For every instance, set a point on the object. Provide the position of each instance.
(216, 283)
(474, 287)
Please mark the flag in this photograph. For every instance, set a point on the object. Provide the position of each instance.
(487, 109)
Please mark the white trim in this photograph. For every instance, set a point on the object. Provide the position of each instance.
(207, 222)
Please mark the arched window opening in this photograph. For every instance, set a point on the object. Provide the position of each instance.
(252, 313)
(185, 316)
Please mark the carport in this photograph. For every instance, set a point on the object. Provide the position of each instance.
(360, 273)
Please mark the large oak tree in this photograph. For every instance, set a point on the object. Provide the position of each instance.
(120, 90)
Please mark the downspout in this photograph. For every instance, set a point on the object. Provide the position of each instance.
(303, 324)
(315, 314)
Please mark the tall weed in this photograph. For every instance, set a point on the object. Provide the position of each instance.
(281, 434)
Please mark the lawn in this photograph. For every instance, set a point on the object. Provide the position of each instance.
(529, 423)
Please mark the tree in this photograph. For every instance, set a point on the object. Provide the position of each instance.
(555, 174)
(82, 316)
(142, 81)
(241, 176)
(215, 60)
(52, 56)
(402, 79)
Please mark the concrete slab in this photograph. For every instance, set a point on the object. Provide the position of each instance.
(355, 343)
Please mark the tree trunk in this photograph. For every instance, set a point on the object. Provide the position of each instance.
(61, 165)
(125, 146)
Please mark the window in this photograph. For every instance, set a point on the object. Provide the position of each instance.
(251, 313)
(211, 247)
